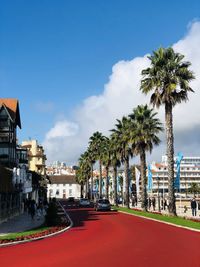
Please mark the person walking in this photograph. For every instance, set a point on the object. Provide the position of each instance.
(153, 203)
(32, 208)
(149, 203)
(194, 207)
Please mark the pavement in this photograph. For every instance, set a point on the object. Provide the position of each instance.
(20, 223)
(179, 210)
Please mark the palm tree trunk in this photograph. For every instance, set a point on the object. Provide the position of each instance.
(92, 183)
(100, 179)
(115, 185)
(127, 199)
(143, 179)
(170, 158)
(82, 190)
(86, 187)
(107, 183)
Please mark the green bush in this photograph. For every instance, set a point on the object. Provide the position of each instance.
(52, 218)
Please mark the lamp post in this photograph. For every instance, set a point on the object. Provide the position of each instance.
(158, 183)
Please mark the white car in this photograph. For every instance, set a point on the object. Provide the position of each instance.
(84, 202)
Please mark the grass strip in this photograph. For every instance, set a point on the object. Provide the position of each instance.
(25, 233)
(165, 218)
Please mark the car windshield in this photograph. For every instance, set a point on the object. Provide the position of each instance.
(104, 201)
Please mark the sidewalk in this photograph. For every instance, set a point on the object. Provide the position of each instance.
(180, 212)
(20, 223)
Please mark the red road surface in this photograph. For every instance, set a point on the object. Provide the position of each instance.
(109, 239)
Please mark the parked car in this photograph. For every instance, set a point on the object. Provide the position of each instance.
(84, 202)
(71, 202)
(102, 204)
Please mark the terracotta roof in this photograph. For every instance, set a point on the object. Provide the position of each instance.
(62, 179)
(12, 106)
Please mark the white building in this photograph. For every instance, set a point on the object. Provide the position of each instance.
(189, 173)
(63, 186)
(60, 170)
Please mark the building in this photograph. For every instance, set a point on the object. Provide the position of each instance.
(15, 180)
(9, 120)
(21, 174)
(189, 173)
(63, 186)
(36, 156)
(37, 166)
(60, 170)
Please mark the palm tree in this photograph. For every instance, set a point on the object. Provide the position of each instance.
(122, 132)
(194, 189)
(80, 179)
(168, 77)
(145, 128)
(89, 154)
(96, 144)
(115, 163)
(106, 162)
(84, 171)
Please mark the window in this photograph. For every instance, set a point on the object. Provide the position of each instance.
(70, 185)
(70, 192)
(57, 192)
(50, 192)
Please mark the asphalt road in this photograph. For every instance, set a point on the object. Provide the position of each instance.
(109, 239)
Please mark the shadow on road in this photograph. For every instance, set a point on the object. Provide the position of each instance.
(80, 215)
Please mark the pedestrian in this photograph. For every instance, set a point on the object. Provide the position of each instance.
(165, 204)
(149, 203)
(133, 201)
(194, 207)
(32, 208)
(154, 203)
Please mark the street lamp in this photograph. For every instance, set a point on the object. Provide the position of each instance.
(158, 183)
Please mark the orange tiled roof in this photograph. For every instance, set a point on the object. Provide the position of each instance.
(12, 106)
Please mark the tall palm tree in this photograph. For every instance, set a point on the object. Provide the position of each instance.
(90, 156)
(168, 77)
(115, 163)
(84, 171)
(145, 128)
(122, 132)
(106, 161)
(96, 144)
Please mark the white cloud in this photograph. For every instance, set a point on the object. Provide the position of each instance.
(66, 140)
(62, 129)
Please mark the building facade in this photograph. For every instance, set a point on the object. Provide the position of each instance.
(15, 179)
(63, 186)
(36, 156)
(189, 173)
(9, 121)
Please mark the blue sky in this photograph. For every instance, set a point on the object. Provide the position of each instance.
(55, 54)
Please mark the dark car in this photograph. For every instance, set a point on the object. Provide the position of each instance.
(102, 204)
(71, 202)
(84, 202)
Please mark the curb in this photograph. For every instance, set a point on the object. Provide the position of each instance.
(151, 219)
(42, 237)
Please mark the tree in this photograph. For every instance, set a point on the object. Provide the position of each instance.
(84, 171)
(145, 128)
(91, 160)
(115, 163)
(194, 189)
(96, 146)
(122, 132)
(168, 77)
(106, 161)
